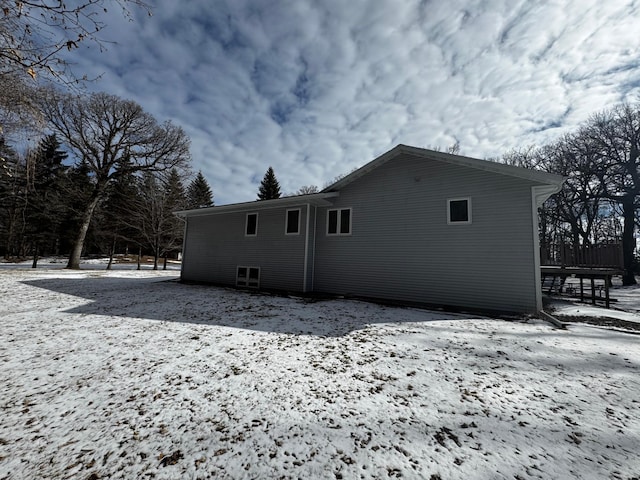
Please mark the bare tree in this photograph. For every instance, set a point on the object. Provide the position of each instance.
(107, 132)
(307, 189)
(18, 110)
(33, 34)
(615, 136)
(33, 37)
(454, 149)
(151, 216)
(573, 215)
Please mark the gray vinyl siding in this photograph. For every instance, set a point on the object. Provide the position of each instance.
(402, 248)
(216, 245)
(311, 246)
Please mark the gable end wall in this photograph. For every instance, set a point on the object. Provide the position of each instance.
(402, 248)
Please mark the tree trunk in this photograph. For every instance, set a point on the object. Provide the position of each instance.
(78, 245)
(575, 240)
(156, 255)
(164, 265)
(628, 240)
(112, 250)
(35, 257)
(139, 257)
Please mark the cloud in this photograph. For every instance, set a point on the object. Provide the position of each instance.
(317, 88)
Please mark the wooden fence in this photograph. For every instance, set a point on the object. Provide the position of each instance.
(602, 255)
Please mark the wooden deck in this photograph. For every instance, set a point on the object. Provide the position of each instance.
(553, 274)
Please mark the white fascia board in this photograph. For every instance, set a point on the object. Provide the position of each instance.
(318, 199)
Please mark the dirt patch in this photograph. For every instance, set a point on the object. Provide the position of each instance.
(622, 325)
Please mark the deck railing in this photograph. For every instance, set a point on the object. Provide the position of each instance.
(603, 255)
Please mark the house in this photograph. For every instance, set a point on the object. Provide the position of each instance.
(413, 225)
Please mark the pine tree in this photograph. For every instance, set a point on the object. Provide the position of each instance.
(76, 187)
(12, 199)
(199, 193)
(172, 232)
(45, 201)
(175, 199)
(114, 213)
(269, 187)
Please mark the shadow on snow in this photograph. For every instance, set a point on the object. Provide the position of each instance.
(171, 301)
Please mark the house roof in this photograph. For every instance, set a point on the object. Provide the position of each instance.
(486, 165)
(321, 199)
(318, 199)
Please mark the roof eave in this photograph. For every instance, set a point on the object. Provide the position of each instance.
(317, 199)
(486, 165)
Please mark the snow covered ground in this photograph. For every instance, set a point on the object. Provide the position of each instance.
(130, 374)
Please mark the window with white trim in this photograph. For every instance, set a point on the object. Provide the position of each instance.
(292, 222)
(339, 221)
(251, 225)
(248, 277)
(459, 211)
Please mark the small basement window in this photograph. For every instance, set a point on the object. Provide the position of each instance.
(251, 226)
(248, 277)
(339, 221)
(459, 211)
(293, 222)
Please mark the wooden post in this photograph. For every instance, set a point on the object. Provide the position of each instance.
(607, 280)
(593, 290)
(581, 288)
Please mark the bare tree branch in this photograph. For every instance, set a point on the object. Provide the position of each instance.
(113, 137)
(33, 34)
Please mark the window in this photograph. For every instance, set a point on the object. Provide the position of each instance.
(248, 277)
(332, 222)
(293, 222)
(459, 211)
(339, 221)
(251, 228)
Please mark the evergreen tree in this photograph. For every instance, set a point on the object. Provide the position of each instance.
(45, 206)
(77, 186)
(175, 198)
(199, 193)
(113, 216)
(269, 187)
(12, 200)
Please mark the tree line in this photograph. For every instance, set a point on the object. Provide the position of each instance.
(44, 200)
(105, 176)
(120, 171)
(600, 199)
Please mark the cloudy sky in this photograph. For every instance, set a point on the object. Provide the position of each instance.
(316, 88)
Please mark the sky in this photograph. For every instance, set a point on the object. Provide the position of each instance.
(317, 88)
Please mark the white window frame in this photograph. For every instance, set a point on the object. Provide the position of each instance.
(247, 282)
(469, 217)
(286, 221)
(246, 225)
(339, 233)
